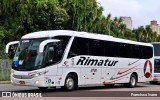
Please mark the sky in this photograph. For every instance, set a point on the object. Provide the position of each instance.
(141, 11)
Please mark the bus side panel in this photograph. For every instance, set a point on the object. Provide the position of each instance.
(122, 71)
(82, 76)
(92, 75)
(146, 71)
(107, 74)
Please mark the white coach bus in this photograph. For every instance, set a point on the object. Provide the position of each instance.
(69, 59)
(156, 75)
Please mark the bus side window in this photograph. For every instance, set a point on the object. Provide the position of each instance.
(147, 52)
(50, 57)
(96, 47)
(79, 47)
(71, 54)
(111, 49)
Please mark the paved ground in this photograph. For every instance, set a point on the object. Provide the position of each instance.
(118, 87)
(90, 93)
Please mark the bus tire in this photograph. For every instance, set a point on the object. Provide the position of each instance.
(133, 81)
(70, 83)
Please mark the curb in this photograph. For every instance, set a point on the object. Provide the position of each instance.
(5, 82)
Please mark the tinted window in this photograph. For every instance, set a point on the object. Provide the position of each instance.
(157, 65)
(121, 50)
(128, 51)
(136, 51)
(64, 41)
(147, 52)
(79, 47)
(96, 47)
(156, 49)
(62, 45)
(110, 49)
(84, 46)
(50, 58)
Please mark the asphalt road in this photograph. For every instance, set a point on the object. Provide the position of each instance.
(90, 92)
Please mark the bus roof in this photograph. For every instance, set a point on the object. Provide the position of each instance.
(52, 33)
(49, 33)
(108, 38)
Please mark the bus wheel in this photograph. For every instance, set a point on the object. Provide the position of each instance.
(153, 82)
(70, 83)
(43, 88)
(133, 81)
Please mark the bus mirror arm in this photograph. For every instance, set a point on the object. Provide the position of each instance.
(9, 44)
(44, 43)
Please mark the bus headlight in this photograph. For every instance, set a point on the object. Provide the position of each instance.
(36, 75)
(36, 82)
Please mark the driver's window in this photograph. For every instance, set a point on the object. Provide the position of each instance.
(51, 57)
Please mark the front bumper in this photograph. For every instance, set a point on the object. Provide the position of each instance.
(35, 81)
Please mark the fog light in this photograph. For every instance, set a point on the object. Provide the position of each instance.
(12, 72)
(37, 82)
(36, 75)
(11, 81)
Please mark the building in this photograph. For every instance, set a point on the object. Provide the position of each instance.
(155, 27)
(127, 21)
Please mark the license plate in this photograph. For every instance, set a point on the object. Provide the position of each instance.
(21, 82)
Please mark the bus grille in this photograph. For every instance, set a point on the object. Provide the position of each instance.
(22, 76)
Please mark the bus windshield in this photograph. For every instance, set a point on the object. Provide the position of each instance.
(27, 56)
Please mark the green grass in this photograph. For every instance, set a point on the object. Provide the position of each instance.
(4, 75)
(5, 82)
(5, 66)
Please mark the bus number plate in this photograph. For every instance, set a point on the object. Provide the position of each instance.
(22, 82)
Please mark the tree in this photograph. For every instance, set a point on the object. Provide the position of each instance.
(139, 33)
(148, 33)
(20, 17)
(108, 21)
